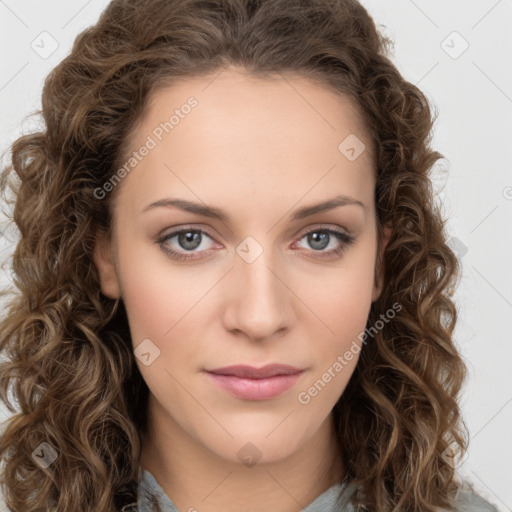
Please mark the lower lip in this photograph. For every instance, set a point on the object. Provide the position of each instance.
(255, 389)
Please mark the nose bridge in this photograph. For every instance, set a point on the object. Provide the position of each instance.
(260, 300)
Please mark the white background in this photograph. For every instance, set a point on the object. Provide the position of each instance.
(472, 92)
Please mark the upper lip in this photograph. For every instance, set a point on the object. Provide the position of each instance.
(251, 372)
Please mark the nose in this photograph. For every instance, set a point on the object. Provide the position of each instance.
(258, 300)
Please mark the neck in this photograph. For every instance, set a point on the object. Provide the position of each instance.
(196, 478)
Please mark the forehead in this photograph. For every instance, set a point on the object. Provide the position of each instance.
(285, 130)
(233, 99)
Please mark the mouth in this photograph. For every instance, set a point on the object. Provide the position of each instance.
(251, 383)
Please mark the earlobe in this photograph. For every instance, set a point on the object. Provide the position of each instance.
(104, 261)
(379, 271)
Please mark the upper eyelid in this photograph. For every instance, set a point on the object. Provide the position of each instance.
(177, 231)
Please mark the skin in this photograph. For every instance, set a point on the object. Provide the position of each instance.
(258, 149)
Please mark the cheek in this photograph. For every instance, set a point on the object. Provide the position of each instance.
(155, 297)
(341, 297)
(344, 310)
(342, 301)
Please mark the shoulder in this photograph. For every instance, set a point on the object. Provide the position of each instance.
(468, 500)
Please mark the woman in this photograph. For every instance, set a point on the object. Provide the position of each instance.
(233, 284)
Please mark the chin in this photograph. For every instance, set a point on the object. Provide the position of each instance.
(249, 448)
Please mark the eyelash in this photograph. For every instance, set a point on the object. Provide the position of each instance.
(346, 241)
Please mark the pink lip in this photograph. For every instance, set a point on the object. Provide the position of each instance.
(252, 383)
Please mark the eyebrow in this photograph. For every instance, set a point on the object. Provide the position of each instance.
(215, 213)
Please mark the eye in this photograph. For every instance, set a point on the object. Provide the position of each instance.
(188, 243)
(187, 240)
(319, 239)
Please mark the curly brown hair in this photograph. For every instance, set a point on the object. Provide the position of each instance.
(70, 363)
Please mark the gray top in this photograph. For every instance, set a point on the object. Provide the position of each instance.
(466, 501)
(323, 503)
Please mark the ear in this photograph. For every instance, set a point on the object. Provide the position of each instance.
(103, 256)
(379, 270)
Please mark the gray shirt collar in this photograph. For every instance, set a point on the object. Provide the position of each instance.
(334, 499)
(150, 489)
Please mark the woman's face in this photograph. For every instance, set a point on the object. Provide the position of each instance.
(251, 162)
